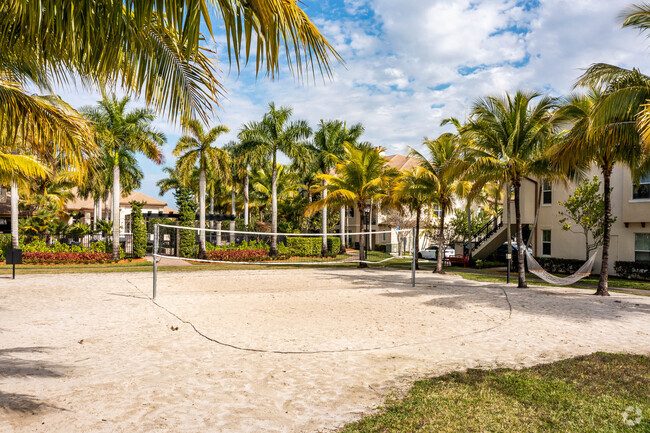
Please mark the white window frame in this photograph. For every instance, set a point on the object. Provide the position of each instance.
(640, 251)
(547, 187)
(645, 180)
(549, 242)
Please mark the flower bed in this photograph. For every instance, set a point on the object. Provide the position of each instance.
(238, 255)
(35, 258)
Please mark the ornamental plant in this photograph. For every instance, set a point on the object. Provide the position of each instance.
(139, 229)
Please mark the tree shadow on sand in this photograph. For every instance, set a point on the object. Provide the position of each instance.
(457, 293)
(12, 365)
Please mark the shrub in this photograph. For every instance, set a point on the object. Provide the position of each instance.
(38, 258)
(559, 266)
(380, 248)
(139, 229)
(333, 245)
(5, 245)
(307, 246)
(633, 270)
(238, 255)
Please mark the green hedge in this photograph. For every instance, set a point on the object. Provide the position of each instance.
(312, 246)
(333, 245)
(633, 270)
(559, 266)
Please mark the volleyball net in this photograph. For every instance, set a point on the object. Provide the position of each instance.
(229, 246)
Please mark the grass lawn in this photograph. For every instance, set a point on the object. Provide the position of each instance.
(585, 394)
(586, 283)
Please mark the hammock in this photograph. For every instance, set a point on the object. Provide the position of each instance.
(536, 268)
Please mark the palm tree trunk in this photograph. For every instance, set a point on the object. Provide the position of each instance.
(246, 198)
(324, 251)
(508, 228)
(468, 209)
(116, 212)
(362, 236)
(417, 237)
(604, 267)
(342, 225)
(107, 215)
(14, 214)
(212, 210)
(521, 268)
(273, 250)
(370, 227)
(202, 214)
(532, 231)
(232, 212)
(219, 233)
(441, 239)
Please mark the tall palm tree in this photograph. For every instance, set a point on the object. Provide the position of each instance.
(415, 189)
(197, 146)
(361, 178)
(286, 186)
(445, 166)
(118, 131)
(275, 133)
(603, 133)
(327, 149)
(509, 136)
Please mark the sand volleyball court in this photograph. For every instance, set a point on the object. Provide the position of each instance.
(280, 350)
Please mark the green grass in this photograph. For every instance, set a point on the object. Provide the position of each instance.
(586, 283)
(585, 394)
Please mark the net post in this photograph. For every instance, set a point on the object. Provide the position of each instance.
(156, 229)
(413, 259)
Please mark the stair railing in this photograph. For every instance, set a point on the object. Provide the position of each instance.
(487, 230)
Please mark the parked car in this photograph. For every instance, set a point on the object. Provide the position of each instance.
(500, 254)
(431, 253)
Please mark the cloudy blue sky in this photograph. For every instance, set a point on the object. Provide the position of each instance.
(411, 63)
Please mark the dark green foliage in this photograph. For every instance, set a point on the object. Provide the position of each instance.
(304, 246)
(5, 245)
(559, 266)
(139, 229)
(333, 245)
(633, 270)
(187, 217)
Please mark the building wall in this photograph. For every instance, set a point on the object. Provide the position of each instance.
(571, 244)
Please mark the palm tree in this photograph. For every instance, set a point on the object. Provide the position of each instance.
(509, 137)
(118, 131)
(327, 149)
(445, 166)
(265, 138)
(286, 186)
(197, 146)
(360, 178)
(415, 189)
(604, 134)
(150, 48)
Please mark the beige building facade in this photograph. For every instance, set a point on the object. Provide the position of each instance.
(630, 233)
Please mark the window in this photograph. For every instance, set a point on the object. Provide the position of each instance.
(546, 242)
(351, 212)
(642, 247)
(547, 193)
(642, 189)
(127, 224)
(437, 211)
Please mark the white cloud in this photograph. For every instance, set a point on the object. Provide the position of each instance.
(408, 64)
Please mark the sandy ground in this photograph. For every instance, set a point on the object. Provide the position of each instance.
(281, 350)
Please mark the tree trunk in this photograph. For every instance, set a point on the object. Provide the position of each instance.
(362, 236)
(211, 212)
(219, 233)
(469, 229)
(370, 227)
(14, 214)
(521, 267)
(232, 212)
(116, 212)
(417, 237)
(202, 214)
(441, 240)
(273, 250)
(342, 226)
(508, 229)
(532, 231)
(107, 206)
(604, 267)
(246, 217)
(324, 220)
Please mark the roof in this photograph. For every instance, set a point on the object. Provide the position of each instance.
(402, 162)
(79, 203)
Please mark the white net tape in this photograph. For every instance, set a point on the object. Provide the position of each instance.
(248, 247)
(582, 272)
